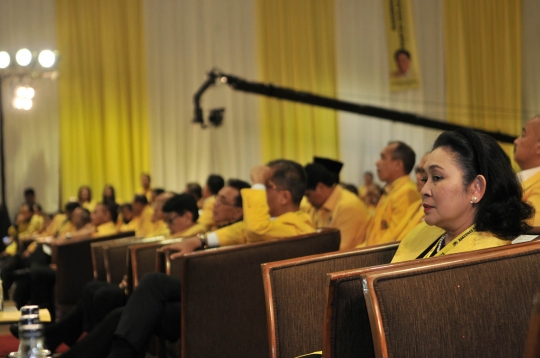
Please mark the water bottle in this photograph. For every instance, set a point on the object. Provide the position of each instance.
(29, 309)
(32, 341)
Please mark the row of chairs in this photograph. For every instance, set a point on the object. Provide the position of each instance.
(349, 304)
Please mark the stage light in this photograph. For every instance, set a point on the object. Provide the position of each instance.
(23, 57)
(47, 58)
(4, 59)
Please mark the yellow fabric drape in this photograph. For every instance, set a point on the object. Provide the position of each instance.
(483, 64)
(297, 50)
(103, 99)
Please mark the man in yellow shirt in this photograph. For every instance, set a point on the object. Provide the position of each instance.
(181, 214)
(332, 206)
(395, 163)
(159, 226)
(415, 213)
(103, 219)
(271, 211)
(527, 155)
(214, 183)
(368, 181)
(146, 189)
(141, 222)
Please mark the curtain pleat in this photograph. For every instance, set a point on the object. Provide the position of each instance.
(296, 42)
(483, 64)
(103, 98)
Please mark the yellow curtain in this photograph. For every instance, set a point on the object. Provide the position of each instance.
(483, 64)
(297, 50)
(103, 99)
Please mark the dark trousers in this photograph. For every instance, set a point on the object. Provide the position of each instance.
(98, 300)
(153, 308)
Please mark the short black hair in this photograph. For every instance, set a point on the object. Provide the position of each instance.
(147, 175)
(238, 185)
(158, 191)
(350, 187)
(400, 52)
(29, 191)
(194, 189)
(71, 206)
(502, 210)
(404, 153)
(316, 174)
(126, 206)
(141, 199)
(180, 203)
(289, 175)
(215, 183)
(111, 209)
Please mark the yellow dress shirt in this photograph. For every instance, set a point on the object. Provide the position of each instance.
(260, 227)
(206, 217)
(58, 221)
(234, 234)
(191, 231)
(90, 206)
(147, 193)
(414, 216)
(159, 228)
(423, 236)
(390, 211)
(345, 211)
(105, 229)
(531, 193)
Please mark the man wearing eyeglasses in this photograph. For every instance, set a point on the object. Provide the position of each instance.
(181, 214)
(271, 211)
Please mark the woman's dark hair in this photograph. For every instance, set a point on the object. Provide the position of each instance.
(89, 192)
(502, 210)
(112, 198)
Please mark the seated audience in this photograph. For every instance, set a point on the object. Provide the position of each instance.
(368, 180)
(393, 168)
(146, 189)
(155, 193)
(109, 197)
(84, 198)
(126, 216)
(415, 212)
(333, 207)
(527, 155)
(195, 190)
(100, 298)
(471, 197)
(181, 214)
(159, 226)
(373, 194)
(141, 221)
(214, 183)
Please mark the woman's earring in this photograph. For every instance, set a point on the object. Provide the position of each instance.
(473, 201)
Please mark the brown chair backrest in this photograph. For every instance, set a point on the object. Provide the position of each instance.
(115, 256)
(296, 293)
(223, 304)
(475, 304)
(73, 260)
(532, 344)
(142, 259)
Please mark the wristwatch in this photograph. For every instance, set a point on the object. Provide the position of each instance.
(204, 240)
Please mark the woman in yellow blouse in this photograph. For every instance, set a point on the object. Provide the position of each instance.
(469, 203)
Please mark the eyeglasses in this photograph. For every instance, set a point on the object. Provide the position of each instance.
(169, 220)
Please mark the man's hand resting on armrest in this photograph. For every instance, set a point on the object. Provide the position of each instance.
(185, 246)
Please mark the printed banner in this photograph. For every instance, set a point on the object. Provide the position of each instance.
(403, 59)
